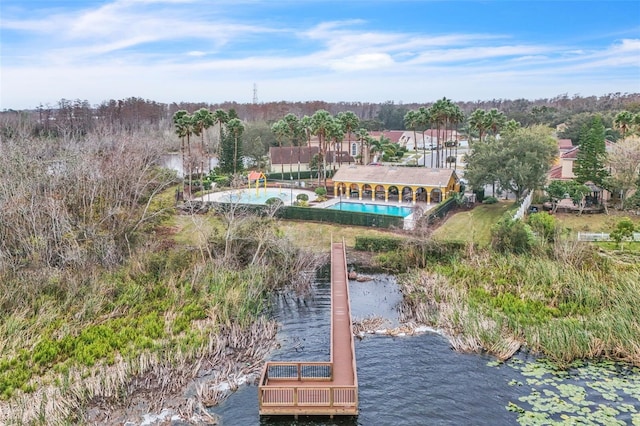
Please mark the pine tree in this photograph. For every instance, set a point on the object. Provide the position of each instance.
(591, 156)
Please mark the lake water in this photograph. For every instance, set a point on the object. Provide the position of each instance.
(420, 380)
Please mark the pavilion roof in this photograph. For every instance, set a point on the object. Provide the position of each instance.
(407, 176)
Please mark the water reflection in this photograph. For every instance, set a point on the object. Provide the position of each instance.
(403, 381)
(420, 380)
(174, 162)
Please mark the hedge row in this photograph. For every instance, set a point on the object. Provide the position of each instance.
(377, 244)
(341, 217)
(442, 209)
(294, 175)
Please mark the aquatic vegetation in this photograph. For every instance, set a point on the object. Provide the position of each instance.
(585, 393)
(491, 302)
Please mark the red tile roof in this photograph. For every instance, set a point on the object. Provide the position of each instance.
(409, 176)
(555, 173)
(446, 135)
(565, 144)
(393, 135)
(571, 154)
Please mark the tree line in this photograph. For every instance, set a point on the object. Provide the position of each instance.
(136, 113)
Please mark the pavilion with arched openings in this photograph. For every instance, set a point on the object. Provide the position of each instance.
(395, 183)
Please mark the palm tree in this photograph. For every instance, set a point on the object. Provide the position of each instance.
(236, 128)
(456, 117)
(362, 135)
(221, 117)
(178, 123)
(377, 145)
(495, 121)
(438, 115)
(280, 129)
(203, 119)
(305, 128)
(336, 135)
(635, 124)
(295, 134)
(321, 121)
(478, 121)
(423, 121)
(511, 126)
(185, 128)
(623, 121)
(349, 121)
(411, 120)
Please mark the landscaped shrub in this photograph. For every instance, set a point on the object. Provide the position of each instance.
(377, 244)
(544, 225)
(321, 193)
(632, 202)
(451, 159)
(302, 197)
(490, 200)
(512, 236)
(273, 201)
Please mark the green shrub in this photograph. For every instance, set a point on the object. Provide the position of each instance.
(544, 225)
(420, 253)
(490, 200)
(302, 197)
(321, 191)
(377, 244)
(512, 236)
(632, 202)
(392, 261)
(273, 201)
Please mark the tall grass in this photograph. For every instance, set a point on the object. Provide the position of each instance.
(564, 310)
(80, 335)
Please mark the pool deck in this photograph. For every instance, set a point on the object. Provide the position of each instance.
(290, 195)
(409, 221)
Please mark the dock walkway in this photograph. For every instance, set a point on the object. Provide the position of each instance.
(318, 388)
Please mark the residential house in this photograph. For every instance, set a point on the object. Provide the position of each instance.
(567, 155)
(291, 158)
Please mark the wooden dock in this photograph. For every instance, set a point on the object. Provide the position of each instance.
(318, 388)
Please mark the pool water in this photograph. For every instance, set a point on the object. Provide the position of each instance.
(251, 196)
(259, 197)
(383, 209)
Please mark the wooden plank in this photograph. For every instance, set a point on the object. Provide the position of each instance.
(298, 393)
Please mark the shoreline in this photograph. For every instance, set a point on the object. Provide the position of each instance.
(202, 382)
(179, 389)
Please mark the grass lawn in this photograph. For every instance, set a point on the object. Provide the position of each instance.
(473, 225)
(194, 231)
(593, 222)
(313, 235)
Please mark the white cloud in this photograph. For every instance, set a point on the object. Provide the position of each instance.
(128, 48)
(361, 62)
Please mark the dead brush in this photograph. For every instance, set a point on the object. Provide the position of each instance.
(368, 325)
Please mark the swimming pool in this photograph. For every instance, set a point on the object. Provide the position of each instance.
(385, 209)
(259, 196)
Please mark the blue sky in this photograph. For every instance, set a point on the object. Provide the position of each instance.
(300, 50)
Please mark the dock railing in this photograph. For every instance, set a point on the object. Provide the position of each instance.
(315, 388)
